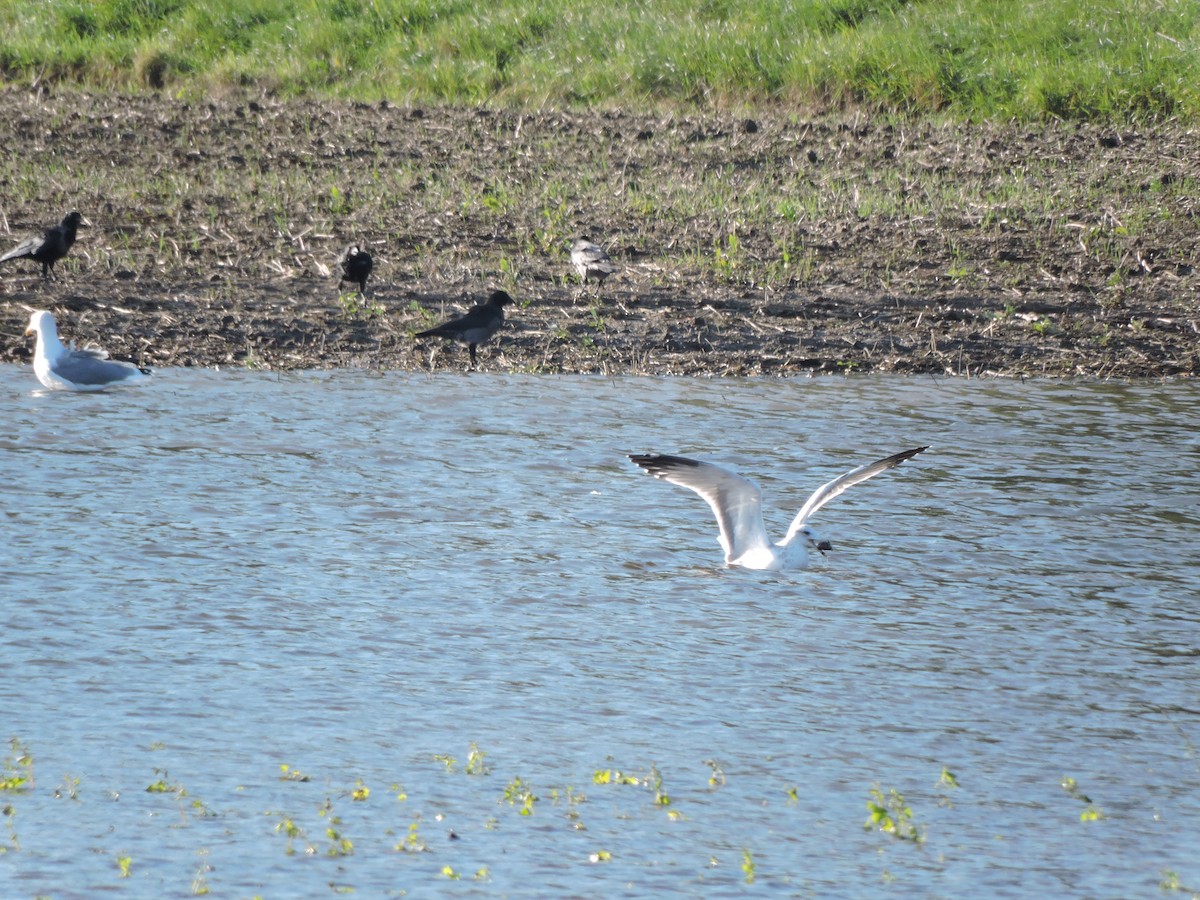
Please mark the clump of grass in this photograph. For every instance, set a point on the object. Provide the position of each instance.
(1074, 59)
(355, 305)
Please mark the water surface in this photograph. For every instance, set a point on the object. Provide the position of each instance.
(363, 576)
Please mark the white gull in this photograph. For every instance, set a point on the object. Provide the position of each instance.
(62, 368)
(737, 504)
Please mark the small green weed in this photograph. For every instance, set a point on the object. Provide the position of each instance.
(1091, 812)
(748, 867)
(716, 777)
(290, 830)
(1043, 326)
(162, 786)
(891, 815)
(476, 764)
(728, 259)
(413, 842)
(339, 844)
(355, 305)
(18, 768)
(200, 879)
(517, 793)
(1170, 882)
(613, 776)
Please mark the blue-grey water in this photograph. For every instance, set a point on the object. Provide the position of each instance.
(430, 596)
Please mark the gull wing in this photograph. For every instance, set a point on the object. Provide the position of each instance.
(735, 501)
(827, 492)
(591, 253)
(85, 368)
(88, 351)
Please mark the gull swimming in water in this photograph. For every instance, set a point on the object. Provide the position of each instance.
(737, 504)
(62, 368)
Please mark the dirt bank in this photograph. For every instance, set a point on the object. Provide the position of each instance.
(772, 245)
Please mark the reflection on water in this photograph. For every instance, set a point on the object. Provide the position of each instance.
(359, 576)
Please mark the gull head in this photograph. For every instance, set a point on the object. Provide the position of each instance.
(42, 323)
(814, 542)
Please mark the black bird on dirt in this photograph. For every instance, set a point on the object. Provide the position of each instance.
(52, 246)
(476, 326)
(356, 266)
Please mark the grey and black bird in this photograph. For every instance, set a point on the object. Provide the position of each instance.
(356, 265)
(50, 247)
(591, 261)
(476, 326)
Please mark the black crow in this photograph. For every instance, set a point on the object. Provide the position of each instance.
(476, 326)
(356, 266)
(52, 246)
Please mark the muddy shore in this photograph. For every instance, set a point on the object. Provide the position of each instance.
(776, 244)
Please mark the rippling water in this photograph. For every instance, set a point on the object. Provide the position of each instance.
(363, 576)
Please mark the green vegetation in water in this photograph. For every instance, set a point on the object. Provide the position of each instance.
(475, 761)
(413, 842)
(18, 768)
(890, 814)
(320, 830)
(1091, 812)
(162, 786)
(1171, 882)
(517, 793)
(339, 844)
(1077, 59)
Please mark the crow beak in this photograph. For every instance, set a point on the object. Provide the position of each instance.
(85, 223)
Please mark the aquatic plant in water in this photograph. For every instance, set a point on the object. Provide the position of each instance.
(891, 815)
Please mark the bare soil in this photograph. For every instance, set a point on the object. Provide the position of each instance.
(774, 245)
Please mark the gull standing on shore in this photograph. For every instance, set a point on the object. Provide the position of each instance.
(591, 261)
(61, 368)
(737, 504)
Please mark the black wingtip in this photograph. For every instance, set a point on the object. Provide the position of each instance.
(903, 455)
(659, 464)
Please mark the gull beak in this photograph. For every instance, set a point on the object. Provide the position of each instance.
(29, 329)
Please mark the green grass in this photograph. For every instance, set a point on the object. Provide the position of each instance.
(1100, 60)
